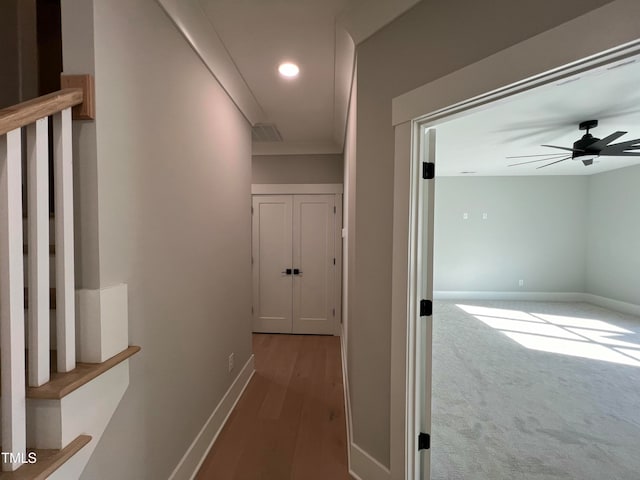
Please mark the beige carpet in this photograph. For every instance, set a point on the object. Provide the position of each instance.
(530, 390)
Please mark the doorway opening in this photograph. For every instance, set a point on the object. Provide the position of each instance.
(420, 133)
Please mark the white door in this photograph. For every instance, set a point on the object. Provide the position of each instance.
(424, 290)
(271, 257)
(294, 264)
(314, 236)
(425, 287)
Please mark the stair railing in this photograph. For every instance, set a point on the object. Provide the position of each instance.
(32, 119)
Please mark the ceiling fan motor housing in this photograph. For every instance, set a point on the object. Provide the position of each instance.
(582, 146)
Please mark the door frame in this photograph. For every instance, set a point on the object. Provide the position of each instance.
(335, 189)
(532, 63)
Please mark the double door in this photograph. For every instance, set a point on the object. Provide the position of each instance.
(294, 264)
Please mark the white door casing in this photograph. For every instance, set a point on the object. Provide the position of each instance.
(271, 256)
(443, 99)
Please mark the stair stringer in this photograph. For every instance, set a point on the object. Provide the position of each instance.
(87, 410)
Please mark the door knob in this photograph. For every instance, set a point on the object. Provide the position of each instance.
(296, 271)
(287, 271)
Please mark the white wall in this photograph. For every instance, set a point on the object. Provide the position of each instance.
(535, 231)
(296, 169)
(173, 171)
(613, 252)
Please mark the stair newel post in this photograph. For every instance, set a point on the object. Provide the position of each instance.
(12, 343)
(38, 251)
(65, 283)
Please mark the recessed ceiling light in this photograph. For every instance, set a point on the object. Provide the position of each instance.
(289, 70)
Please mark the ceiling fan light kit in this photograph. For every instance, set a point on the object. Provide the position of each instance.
(588, 148)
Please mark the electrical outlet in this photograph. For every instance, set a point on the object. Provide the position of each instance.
(521, 283)
(485, 216)
(465, 216)
(231, 362)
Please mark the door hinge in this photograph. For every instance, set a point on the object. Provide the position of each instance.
(428, 170)
(426, 308)
(334, 210)
(334, 260)
(251, 210)
(251, 309)
(424, 441)
(334, 312)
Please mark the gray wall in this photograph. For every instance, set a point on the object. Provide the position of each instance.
(535, 231)
(173, 170)
(296, 169)
(613, 251)
(434, 38)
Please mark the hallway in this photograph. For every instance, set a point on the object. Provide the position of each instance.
(290, 421)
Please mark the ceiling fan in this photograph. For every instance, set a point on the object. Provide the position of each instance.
(588, 148)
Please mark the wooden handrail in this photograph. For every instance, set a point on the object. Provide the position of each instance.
(28, 112)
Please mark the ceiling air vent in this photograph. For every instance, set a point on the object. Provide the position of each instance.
(265, 132)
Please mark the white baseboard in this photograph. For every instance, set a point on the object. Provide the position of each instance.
(617, 305)
(188, 466)
(526, 296)
(362, 466)
(347, 398)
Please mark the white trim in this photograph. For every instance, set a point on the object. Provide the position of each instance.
(337, 272)
(296, 188)
(190, 463)
(514, 295)
(292, 148)
(193, 23)
(609, 303)
(402, 307)
(364, 467)
(617, 35)
(347, 398)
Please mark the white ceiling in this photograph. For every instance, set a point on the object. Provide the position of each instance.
(260, 34)
(256, 35)
(481, 141)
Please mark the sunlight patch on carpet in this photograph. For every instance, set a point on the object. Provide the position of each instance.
(574, 336)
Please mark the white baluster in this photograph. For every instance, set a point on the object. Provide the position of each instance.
(65, 294)
(38, 251)
(12, 300)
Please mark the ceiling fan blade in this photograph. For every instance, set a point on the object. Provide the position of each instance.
(549, 155)
(534, 161)
(603, 142)
(564, 148)
(620, 154)
(631, 144)
(557, 161)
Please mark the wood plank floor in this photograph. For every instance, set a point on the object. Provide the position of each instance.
(289, 423)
